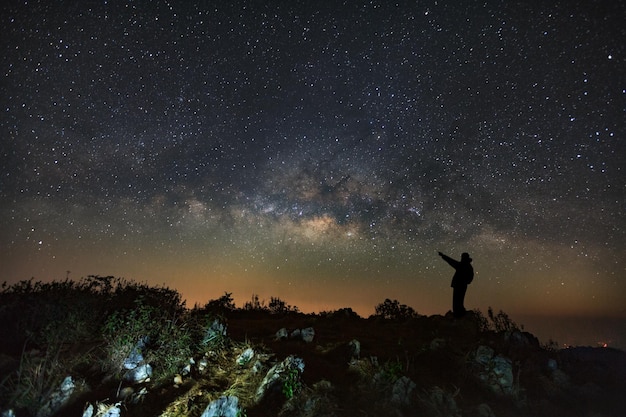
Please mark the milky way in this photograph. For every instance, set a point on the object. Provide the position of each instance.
(322, 151)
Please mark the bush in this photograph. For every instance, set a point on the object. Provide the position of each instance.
(501, 322)
(163, 340)
(393, 310)
(255, 304)
(222, 305)
(278, 306)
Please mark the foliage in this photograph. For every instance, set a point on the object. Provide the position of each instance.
(222, 305)
(393, 310)
(33, 311)
(278, 306)
(255, 304)
(48, 317)
(501, 322)
(292, 383)
(33, 382)
(483, 323)
(392, 370)
(342, 313)
(214, 333)
(169, 343)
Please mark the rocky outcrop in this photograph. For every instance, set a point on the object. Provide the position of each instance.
(494, 371)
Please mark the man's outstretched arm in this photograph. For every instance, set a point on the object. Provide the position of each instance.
(449, 260)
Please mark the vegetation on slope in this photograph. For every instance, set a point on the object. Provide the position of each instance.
(406, 364)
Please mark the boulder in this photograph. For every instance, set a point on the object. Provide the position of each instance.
(308, 334)
(282, 334)
(141, 373)
(495, 371)
(401, 391)
(440, 403)
(354, 350)
(245, 357)
(483, 410)
(135, 358)
(225, 406)
(214, 334)
(58, 398)
(278, 374)
(103, 410)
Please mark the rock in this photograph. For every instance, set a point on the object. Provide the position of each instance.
(257, 367)
(282, 334)
(441, 403)
(187, 369)
(112, 411)
(296, 334)
(496, 372)
(308, 334)
(225, 406)
(437, 343)
(561, 379)
(202, 365)
(142, 373)
(214, 334)
(502, 372)
(87, 413)
(278, 374)
(401, 391)
(552, 365)
(483, 410)
(354, 350)
(245, 357)
(57, 399)
(136, 357)
(483, 355)
(103, 411)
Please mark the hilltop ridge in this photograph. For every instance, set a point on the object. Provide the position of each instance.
(109, 348)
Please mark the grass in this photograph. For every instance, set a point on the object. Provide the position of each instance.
(88, 328)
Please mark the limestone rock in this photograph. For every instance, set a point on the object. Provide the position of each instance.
(136, 357)
(245, 357)
(225, 406)
(58, 398)
(139, 374)
(278, 374)
(495, 371)
(308, 334)
(282, 334)
(214, 334)
(354, 349)
(401, 391)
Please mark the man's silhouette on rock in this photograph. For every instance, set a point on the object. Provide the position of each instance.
(462, 277)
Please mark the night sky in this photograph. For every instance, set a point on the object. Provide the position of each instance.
(320, 151)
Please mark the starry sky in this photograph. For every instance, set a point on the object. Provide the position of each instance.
(320, 151)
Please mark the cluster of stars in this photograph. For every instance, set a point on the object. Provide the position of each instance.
(359, 136)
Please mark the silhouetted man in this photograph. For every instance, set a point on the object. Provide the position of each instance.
(462, 277)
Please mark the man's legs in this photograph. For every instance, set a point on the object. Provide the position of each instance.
(458, 298)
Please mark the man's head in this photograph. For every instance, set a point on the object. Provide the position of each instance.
(465, 257)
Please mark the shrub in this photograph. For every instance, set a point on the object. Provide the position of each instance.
(163, 341)
(222, 305)
(501, 322)
(254, 304)
(393, 310)
(278, 306)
